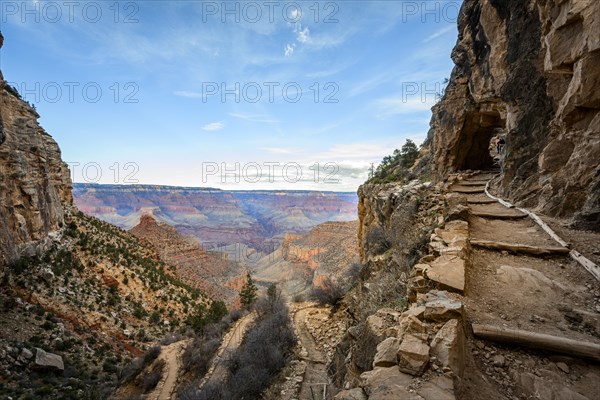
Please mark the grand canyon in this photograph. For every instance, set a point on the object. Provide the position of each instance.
(465, 266)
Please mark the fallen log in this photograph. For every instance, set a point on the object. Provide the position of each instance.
(577, 348)
(497, 215)
(520, 248)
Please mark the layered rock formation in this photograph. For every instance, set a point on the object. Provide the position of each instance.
(328, 253)
(530, 72)
(34, 181)
(198, 268)
(217, 217)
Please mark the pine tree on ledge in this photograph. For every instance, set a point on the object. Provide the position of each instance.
(248, 293)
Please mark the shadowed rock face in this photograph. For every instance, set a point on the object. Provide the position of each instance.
(531, 72)
(34, 181)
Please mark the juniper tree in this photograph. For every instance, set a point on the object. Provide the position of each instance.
(248, 293)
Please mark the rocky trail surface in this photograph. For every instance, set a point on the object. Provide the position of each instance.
(171, 355)
(521, 281)
(218, 368)
(315, 377)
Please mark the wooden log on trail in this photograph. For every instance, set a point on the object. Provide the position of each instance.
(497, 215)
(577, 348)
(482, 201)
(520, 248)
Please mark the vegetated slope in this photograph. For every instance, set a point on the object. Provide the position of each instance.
(96, 298)
(210, 272)
(531, 74)
(217, 217)
(329, 252)
(78, 297)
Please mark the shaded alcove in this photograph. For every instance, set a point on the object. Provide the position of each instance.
(474, 151)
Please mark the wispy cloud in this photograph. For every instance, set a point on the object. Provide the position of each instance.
(184, 93)
(404, 105)
(213, 126)
(289, 49)
(302, 35)
(278, 150)
(439, 33)
(255, 117)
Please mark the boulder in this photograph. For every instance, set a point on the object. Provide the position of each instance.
(387, 351)
(458, 213)
(386, 384)
(413, 355)
(352, 394)
(449, 272)
(440, 307)
(415, 311)
(26, 354)
(376, 324)
(439, 388)
(48, 360)
(412, 325)
(448, 346)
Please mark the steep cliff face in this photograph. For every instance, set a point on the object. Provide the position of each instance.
(529, 71)
(34, 181)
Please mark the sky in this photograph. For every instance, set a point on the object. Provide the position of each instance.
(275, 95)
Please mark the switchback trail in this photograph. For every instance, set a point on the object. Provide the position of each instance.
(231, 341)
(171, 354)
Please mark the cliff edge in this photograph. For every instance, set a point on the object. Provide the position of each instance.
(530, 73)
(34, 181)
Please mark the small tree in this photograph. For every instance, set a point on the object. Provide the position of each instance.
(248, 293)
(409, 152)
(216, 311)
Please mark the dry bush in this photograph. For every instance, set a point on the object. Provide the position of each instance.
(149, 380)
(329, 293)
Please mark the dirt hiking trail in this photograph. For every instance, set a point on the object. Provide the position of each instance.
(519, 278)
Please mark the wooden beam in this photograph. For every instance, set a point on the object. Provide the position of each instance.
(577, 348)
(483, 201)
(520, 248)
(497, 215)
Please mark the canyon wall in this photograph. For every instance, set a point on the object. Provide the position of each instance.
(34, 181)
(217, 217)
(529, 71)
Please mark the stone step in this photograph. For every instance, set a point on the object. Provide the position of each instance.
(466, 190)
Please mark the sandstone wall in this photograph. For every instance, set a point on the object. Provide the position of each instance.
(34, 181)
(529, 70)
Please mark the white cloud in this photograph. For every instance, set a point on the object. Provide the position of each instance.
(277, 150)
(356, 152)
(296, 14)
(303, 35)
(439, 33)
(254, 117)
(289, 49)
(404, 104)
(184, 93)
(213, 126)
